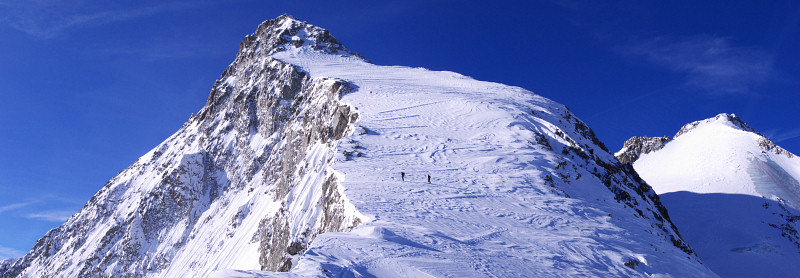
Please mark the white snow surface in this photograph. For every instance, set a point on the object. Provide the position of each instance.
(519, 187)
(733, 199)
(487, 211)
(718, 156)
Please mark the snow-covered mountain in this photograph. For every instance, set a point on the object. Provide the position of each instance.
(733, 193)
(307, 158)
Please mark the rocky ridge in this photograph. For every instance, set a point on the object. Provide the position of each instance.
(245, 168)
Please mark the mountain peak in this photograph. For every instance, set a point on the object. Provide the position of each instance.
(287, 32)
(730, 120)
(733, 193)
(296, 127)
(636, 146)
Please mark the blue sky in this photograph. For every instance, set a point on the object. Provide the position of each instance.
(86, 87)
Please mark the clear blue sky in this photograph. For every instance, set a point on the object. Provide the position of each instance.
(86, 87)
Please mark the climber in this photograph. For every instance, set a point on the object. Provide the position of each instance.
(429, 178)
(403, 176)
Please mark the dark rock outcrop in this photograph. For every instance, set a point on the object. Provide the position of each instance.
(639, 145)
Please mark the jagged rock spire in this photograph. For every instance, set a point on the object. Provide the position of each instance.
(285, 31)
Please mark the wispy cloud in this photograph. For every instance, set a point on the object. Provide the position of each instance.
(9, 207)
(49, 18)
(154, 52)
(781, 136)
(38, 202)
(52, 216)
(711, 64)
(6, 253)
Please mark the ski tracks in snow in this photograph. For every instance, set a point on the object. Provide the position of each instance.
(487, 211)
(461, 145)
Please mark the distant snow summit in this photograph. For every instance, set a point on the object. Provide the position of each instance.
(732, 192)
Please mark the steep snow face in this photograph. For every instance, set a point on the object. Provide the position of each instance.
(295, 164)
(734, 195)
(244, 184)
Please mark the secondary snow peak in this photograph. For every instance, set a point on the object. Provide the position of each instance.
(730, 120)
(636, 146)
(733, 193)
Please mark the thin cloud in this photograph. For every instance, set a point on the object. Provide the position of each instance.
(6, 253)
(47, 19)
(156, 52)
(710, 64)
(38, 202)
(787, 135)
(51, 216)
(13, 206)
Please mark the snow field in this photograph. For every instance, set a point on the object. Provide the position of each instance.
(487, 211)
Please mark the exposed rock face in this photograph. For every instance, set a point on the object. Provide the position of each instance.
(769, 146)
(248, 177)
(6, 264)
(789, 228)
(276, 35)
(639, 145)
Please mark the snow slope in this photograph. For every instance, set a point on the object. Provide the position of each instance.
(733, 194)
(511, 194)
(294, 164)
